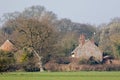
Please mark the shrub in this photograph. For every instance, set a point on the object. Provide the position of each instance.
(63, 60)
(51, 66)
(30, 67)
(7, 61)
(112, 67)
(83, 61)
(93, 61)
(90, 61)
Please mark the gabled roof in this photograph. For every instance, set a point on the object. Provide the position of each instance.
(7, 46)
(87, 50)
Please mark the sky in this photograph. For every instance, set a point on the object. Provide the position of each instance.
(94, 12)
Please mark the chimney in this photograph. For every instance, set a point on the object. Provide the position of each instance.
(82, 39)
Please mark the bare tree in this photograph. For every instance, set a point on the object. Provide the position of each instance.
(35, 35)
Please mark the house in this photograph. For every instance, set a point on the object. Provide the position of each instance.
(87, 49)
(7, 46)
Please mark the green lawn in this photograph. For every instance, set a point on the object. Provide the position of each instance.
(61, 76)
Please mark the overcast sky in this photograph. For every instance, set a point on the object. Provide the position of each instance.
(83, 11)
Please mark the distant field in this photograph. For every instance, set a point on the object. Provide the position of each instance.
(61, 76)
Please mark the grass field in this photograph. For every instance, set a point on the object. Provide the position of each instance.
(61, 76)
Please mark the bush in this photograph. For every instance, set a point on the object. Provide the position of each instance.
(90, 61)
(28, 61)
(83, 61)
(93, 61)
(7, 61)
(112, 67)
(30, 67)
(63, 60)
(51, 66)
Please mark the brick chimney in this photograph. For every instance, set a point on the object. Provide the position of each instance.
(82, 39)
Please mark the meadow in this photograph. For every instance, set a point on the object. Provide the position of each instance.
(82, 75)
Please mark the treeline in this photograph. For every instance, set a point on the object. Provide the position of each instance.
(108, 38)
(40, 37)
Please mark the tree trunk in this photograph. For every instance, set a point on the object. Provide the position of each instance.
(40, 62)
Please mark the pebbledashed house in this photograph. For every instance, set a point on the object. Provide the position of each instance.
(87, 49)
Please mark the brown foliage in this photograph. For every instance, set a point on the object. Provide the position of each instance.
(52, 66)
